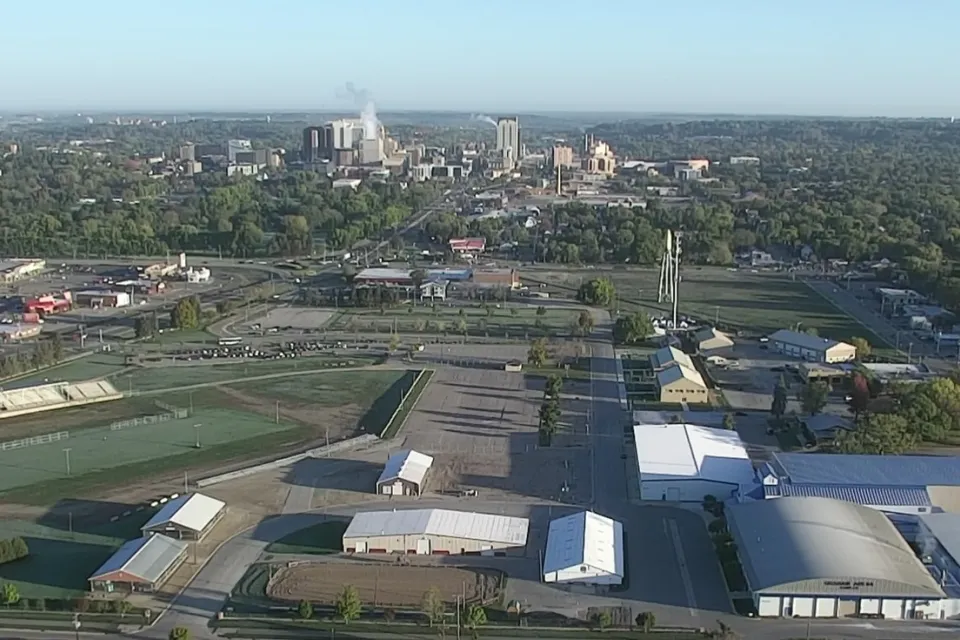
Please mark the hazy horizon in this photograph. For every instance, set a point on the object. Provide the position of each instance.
(860, 58)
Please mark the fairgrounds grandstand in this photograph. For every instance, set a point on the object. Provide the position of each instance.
(48, 397)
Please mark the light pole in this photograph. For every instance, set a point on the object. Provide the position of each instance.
(197, 429)
(66, 455)
(76, 625)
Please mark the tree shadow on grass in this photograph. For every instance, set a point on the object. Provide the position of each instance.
(55, 564)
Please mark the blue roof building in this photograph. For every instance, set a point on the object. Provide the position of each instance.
(894, 484)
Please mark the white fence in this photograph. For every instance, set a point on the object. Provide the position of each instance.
(29, 442)
(177, 414)
(319, 452)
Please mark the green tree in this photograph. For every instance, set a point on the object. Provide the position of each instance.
(584, 323)
(537, 354)
(878, 434)
(476, 617)
(598, 292)
(394, 342)
(348, 604)
(602, 619)
(145, 325)
(633, 328)
(304, 610)
(863, 347)
(122, 607)
(729, 422)
(186, 313)
(11, 594)
(417, 278)
(541, 311)
(6, 551)
(813, 397)
(18, 548)
(779, 406)
(179, 633)
(646, 621)
(549, 416)
(432, 606)
(462, 326)
(811, 331)
(554, 386)
(859, 394)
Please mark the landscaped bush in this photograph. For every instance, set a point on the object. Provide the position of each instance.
(13, 549)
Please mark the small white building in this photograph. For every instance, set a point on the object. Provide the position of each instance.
(197, 276)
(436, 532)
(186, 517)
(404, 474)
(684, 463)
(584, 548)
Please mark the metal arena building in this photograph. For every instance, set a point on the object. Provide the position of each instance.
(435, 531)
(816, 557)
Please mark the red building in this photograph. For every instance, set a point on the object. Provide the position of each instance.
(468, 245)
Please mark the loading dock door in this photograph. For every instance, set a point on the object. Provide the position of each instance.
(423, 547)
(361, 547)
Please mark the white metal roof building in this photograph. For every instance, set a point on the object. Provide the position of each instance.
(584, 548)
(189, 517)
(814, 348)
(669, 356)
(404, 474)
(685, 462)
(143, 565)
(435, 531)
(709, 339)
(817, 557)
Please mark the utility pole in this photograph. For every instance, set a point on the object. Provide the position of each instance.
(197, 429)
(277, 417)
(186, 485)
(66, 453)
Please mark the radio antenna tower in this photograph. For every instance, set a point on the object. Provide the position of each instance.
(670, 272)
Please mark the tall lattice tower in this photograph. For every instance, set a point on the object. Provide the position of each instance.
(668, 290)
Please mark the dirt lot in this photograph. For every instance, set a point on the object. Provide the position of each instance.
(382, 584)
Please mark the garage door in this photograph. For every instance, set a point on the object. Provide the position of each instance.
(803, 607)
(398, 488)
(847, 608)
(423, 546)
(870, 605)
(769, 606)
(826, 607)
(892, 609)
(361, 547)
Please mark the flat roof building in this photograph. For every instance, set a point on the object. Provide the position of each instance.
(685, 462)
(141, 565)
(584, 548)
(187, 517)
(435, 531)
(404, 474)
(813, 348)
(816, 557)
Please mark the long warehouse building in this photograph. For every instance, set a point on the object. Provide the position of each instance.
(435, 531)
(823, 558)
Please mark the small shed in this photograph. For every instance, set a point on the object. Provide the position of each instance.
(187, 517)
(710, 339)
(404, 474)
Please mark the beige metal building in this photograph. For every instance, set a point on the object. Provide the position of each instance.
(435, 531)
(710, 339)
(812, 348)
(678, 383)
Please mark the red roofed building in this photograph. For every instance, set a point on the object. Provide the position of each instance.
(468, 245)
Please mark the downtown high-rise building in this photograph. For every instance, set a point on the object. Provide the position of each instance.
(508, 141)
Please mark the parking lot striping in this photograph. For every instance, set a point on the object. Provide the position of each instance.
(670, 527)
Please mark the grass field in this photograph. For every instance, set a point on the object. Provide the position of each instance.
(758, 303)
(157, 378)
(60, 561)
(98, 365)
(236, 422)
(509, 320)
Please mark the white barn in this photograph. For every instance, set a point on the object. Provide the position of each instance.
(584, 548)
(187, 517)
(685, 462)
(404, 474)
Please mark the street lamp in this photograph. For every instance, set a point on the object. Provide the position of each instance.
(197, 429)
(76, 625)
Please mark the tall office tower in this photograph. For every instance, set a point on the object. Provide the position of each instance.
(508, 141)
(312, 149)
(236, 146)
(562, 156)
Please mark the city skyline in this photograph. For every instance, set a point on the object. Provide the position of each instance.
(860, 58)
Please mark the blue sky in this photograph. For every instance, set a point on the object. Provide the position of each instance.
(839, 57)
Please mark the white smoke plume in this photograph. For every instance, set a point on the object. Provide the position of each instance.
(368, 111)
(479, 117)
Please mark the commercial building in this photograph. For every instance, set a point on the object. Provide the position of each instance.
(186, 517)
(19, 268)
(405, 474)
(584, 548)
(711, 339)
(600, 160)
(433, 288)
(504, 278)
(141, 565)
(893, 301)
(468, 245)
(937, 539)
(680, 384)
(684, 462)
(816, 557)
(101, 299)
(812, 348)
(197, 276)
(561, 157)
(435, 531)
(160, 270)
(893, 484)
(508, 142)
